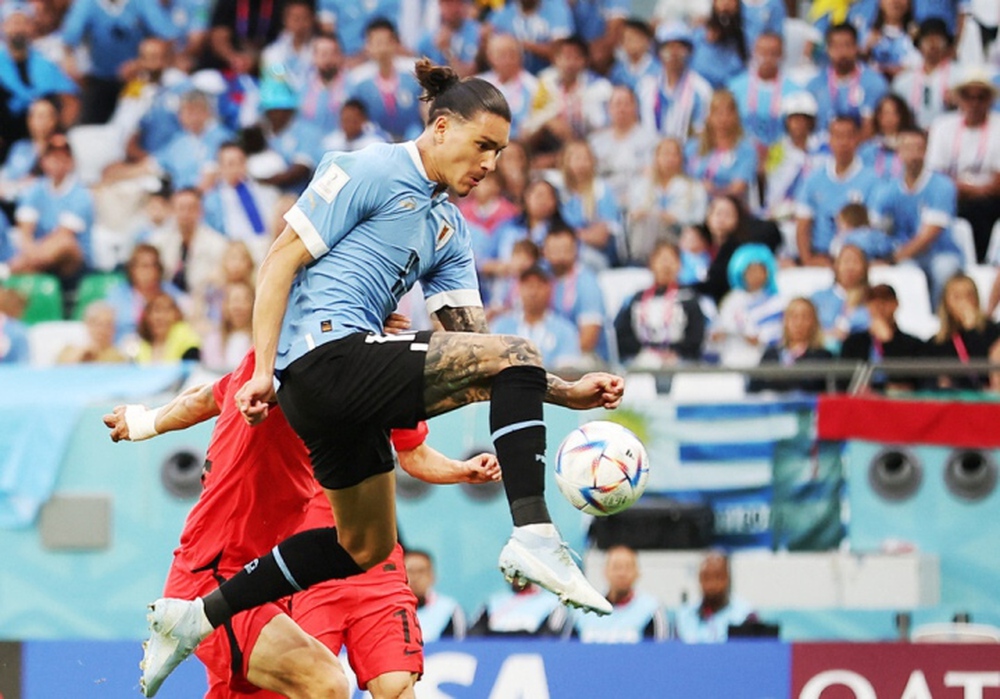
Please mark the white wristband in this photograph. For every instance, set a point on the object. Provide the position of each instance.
(141, 422)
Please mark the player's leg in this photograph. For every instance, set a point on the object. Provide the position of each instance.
(288, 661)
(462, 368)
(393, 685)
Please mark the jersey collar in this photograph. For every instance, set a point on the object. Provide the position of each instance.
(411, 150)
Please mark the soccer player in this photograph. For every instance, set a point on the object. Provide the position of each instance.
(370, 224)
(258, 489)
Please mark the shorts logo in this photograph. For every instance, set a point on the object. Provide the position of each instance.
(328, 184)
(252, 565)
(407, 651)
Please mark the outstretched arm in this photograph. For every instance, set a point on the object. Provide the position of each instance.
(432, 466)
(135, 423)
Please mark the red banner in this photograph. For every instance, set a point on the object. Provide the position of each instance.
(895, 671)
(890, 421)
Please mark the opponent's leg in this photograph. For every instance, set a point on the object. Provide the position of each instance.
(464, 367)
(393, 685)
(288, 661)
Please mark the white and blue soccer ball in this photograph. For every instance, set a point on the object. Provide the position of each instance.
(601, 468)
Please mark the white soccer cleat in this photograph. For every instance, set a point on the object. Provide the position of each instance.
(176, 628)
(548, 562)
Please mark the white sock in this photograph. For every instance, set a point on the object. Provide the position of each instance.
(542, 529)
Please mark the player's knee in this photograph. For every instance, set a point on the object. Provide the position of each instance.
(518, 351)
(369, 553)
(315, 673)
(393, 685)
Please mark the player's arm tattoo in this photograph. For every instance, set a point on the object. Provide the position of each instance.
(556, 390)
(470, 319)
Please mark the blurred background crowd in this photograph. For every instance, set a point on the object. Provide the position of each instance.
(729, 181)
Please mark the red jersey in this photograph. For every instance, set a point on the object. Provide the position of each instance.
(257, 487)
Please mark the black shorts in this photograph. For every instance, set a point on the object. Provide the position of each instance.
(343, 397)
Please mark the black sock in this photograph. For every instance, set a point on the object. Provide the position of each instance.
(298, 562)
(518, 431)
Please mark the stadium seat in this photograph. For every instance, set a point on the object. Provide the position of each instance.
(618, 286)
(44, 295)
(961, 232)
(94, 148)
(803, 281)
(94, 287)
(983, 276)
(956, 633)
(47, 339)
(915, 315)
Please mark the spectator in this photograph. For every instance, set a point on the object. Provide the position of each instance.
(26, 75)
(295, 142)
(20, 169)
(966, 146)
(504, 291)
(623, 150)
(636, 616)
(99, 318)
(791, 160)
(189, 248)
(926, 85)
(571, 101)
(112, 33)
(156, 212)
(577, 295)
(505, 58)
(487, 211)
(589, 206)
(675, 102)
(663, 324)
(696, 255)
(892, 117)
(634, 59)
(883, 339)
(14, 348)
(854, 228)
(826, 191)
(689, 12)
(236, 267)
(540, 215)
(722, 158)
(144, 280)
(663, 202)
(523, 610)
(291, 53)
(801, 342)
(759, 92)
(730, 226)
(191, 18)
(147, 111)
(888, 43)
(54, 217)
(165, 337)
(841, 307)
(239, 207)
(325, 91)
(920, 210)
(349, 19)
(440, 616)
(386, 85)
(708, 618)
(225, 348)
(750, 317)
(600, 23)
(456, 41)
(762, 17)
(515, 172)
(847, 87)
(537, 25)
(555, 336)
(965, 333)
(356, 130)
(720, 47)
(239, 30)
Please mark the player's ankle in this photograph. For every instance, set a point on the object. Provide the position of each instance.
(547, 529)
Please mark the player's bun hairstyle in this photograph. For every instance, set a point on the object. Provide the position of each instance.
(449, 94)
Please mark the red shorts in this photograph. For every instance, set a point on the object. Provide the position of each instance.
(378, 624)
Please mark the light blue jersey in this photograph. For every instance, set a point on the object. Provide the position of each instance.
(631, 621)
(70, 205)
(717, 62)
(694, 626)
(22, 158)
(160, 123)
(372, 224)
(759, 102)
(761, 16)
(299, 143)
(552, 20)
(719, 169)
(393, 104)
(590, 17)
(44, 78)
(854, 96)
(555, 337)
(876, 154)
(932, 201)
(350, 18)
(113, 31)
(187, 155)
(823, 195)
(463, 46)
(624, 72)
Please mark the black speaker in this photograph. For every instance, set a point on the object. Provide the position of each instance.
(656, 523)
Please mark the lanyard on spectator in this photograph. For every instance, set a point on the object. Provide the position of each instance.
(714, 163)
(853, 89)
(754, 87)
(920, 80)
(896, 167)
(678, 111)
(878, 351)
(568, 294)
(243, 17)
(956, 149)
(960, 350)
(336, 96)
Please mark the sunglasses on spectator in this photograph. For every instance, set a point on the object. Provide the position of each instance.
(977, 96)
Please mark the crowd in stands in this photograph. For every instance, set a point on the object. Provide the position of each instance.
(720, 181)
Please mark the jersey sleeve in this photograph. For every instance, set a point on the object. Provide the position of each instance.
(342, 193)
(805, 205)
(591, 309)
(408, 440)
(453, 281)
(939, 209)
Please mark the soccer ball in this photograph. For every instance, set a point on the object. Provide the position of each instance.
(601, 468)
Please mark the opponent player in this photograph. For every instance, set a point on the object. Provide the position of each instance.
(258, 489)
(370, 224)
